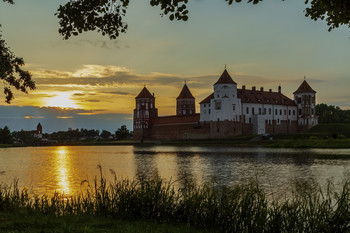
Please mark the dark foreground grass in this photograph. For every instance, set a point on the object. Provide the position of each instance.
(155, 203)
(26, 220)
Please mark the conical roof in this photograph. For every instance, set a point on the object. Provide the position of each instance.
(185, 93)
(225, 78)
(304, 88)
(145, 94)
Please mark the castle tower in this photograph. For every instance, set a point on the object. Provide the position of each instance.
(305, 98)
(185, 102)
(143, 113)
(39, 129)
(225, 104)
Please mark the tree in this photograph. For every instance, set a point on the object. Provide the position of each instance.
(5, 136)
(122, 133)
(106, 16)
(11, 72)
(332, 114)
(105, 134)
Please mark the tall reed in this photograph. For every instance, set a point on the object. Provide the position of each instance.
(242, 208)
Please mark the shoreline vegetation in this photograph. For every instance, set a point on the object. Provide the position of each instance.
(334, 136)
(156, 205)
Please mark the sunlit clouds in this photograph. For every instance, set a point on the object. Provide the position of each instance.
(112, 89)
(61, 100)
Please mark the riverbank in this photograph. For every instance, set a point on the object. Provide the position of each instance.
(321, 136)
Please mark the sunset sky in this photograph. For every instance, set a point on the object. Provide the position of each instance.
(263, 45)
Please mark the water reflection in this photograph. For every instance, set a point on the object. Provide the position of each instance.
(63, 170)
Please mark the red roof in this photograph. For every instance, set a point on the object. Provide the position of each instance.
(185, 93)
(145, 94)
(225, 78)
(260, 97)
(304, 88)
(207, 100)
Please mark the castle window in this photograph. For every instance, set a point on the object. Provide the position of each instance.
(264, 110)
(299, 111)
(269, 111)
(299, 100)
(288, 112)
(275, 111)
(259, 111)
(233, 107)
(218, 96)
(312, 111)
(217, 104)
(253, 110)
(285, 112)
(293, 112)
(281, 112)
(247, 110)
(289, 122)
(278, 121)
(205, 105)
(209, 111)
(250, 120)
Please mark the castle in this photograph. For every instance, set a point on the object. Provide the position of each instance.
(227, 112)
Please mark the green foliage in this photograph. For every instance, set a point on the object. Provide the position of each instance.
(5, 136)
(11, 72)
(123, 133)
(332, 114)
(105, 134)
(336, 12)
(242, 208)
(107, 16)
(26, 137)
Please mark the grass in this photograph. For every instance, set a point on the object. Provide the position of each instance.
(154, 204)
(25, 220)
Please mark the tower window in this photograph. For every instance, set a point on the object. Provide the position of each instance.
(253, 110)
(217, 104)
(247, 110)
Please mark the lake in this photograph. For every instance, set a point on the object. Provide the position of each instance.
(45, 170)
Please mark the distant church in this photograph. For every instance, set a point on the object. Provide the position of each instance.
(227, 112)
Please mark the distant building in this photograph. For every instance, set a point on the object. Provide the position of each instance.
(227, 112)
(39, 131)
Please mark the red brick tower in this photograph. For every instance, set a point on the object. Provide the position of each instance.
(185, 103)
(144, 112)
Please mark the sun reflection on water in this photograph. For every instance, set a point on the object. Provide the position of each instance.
(62, 165)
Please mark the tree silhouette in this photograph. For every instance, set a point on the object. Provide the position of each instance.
(11, 72)
(106, 16)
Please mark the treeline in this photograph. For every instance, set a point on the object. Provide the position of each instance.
(85, 134)
(332, 114)
(31, 137)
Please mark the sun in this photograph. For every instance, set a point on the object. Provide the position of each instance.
(61, 100)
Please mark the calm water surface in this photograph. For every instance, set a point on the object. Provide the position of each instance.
(48, 169)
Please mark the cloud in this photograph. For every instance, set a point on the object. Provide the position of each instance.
(110, 44)
(117, 93)
(64, 117)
